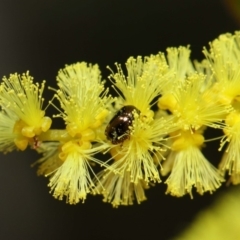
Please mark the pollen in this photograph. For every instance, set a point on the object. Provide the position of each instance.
(142, 85)
(223, 58)
(8, 135)
(19, 94)
(186, 139)
(21, 143)
(191, 169)
(82, 98)
(231, 158)
(167, 102)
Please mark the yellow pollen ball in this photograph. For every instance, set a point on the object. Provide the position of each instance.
(186, 140)
(73, 146)
(28, 131)
(86, 145)
(88, 134)
(62, 156)
(69, 146)
(72, 129)
(18, 126)
(46, 123)
(167, 101)
(232, 118)
(21, 143)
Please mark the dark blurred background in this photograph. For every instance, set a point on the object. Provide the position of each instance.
(42, 36)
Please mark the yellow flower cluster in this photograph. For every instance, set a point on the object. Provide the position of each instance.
(22, 116)
(153, 127)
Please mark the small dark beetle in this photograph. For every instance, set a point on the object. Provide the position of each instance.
(117, 131)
